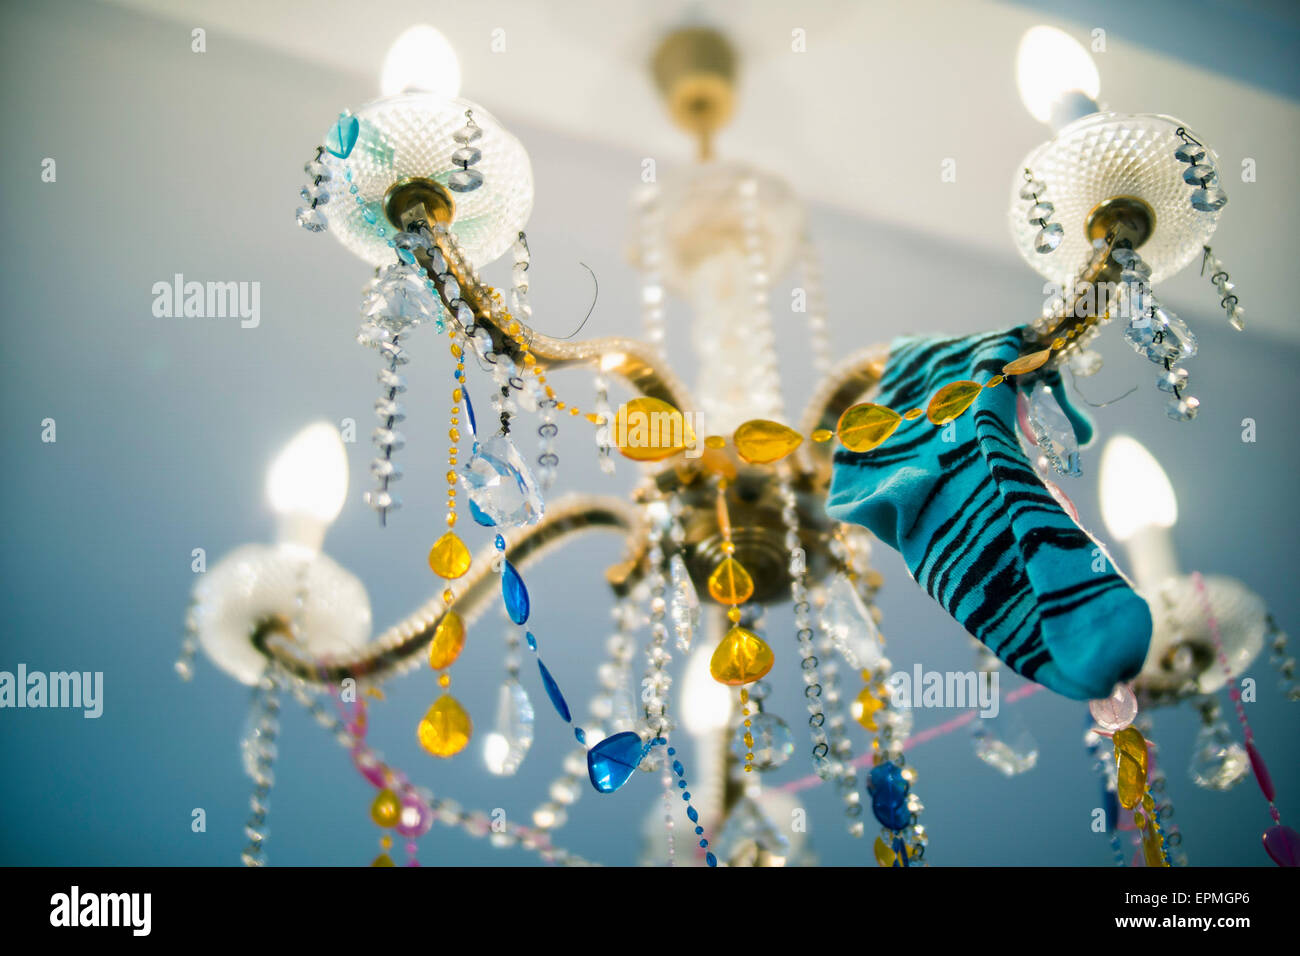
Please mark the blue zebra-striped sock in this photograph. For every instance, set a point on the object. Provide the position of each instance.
(980, 532)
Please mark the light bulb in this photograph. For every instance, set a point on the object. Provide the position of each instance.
(1135, 491)
(308, 483)
(421, 60)
(1057, 78)
(706, 704)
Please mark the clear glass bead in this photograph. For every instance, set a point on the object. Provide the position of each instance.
(1209, 199)
(465, 180)
(1183, 409)
(1049, 238)
(311, 219)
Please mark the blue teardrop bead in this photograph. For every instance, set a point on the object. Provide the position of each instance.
(479, 517)
(888, 790)
(693, 814)
(553, 692)
(678, 768)
(343, 135)
(581, 734)
(514, 593)
(710, 859)
(500, 543)
(612, 761)
(532, 641)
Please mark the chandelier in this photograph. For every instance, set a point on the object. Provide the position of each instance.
(947, 449)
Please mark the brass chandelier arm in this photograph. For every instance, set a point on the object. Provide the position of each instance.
(638, 364)
(843, 386)
(401, 647)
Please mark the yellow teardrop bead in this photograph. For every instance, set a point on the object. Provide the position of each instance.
(884, 855)
(1027, 363)
(1130, 766)
(387, 809)
(383, 860)
(730, 583)
(912, 414)
(822, 435)
(446, 728)
(864, 426)
(994, 382)
(448, 641)
(715, 441)
(951, 400)
(761, 442)
(742, 657)
(647, 429)
(449, 557)
(864, 708)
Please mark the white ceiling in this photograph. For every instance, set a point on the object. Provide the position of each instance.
(862, 120)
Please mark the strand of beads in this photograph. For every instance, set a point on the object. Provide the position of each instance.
(1207, 196)
(506, 747)
(565, 790)
(1277, 641)
(804, 633)
(445, 812)
(316, 193)
(1050, 234)
(259, 757)
(604, 441)
(1281, 842)
(189, 643)
(814, 306)
(1103, 763)
(657, 682)
(465, 179)
(670, 825)
(446, 728)
(1171, 838)
(1226, 287)
(742, 657)
(650, 229)
(692, 814)
(1132, 760)
(1156, 332)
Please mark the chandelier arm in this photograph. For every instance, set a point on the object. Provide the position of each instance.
(843, 385)
(638, 364)
(399, 648)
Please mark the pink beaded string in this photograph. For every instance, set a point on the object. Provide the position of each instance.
(1257, 765)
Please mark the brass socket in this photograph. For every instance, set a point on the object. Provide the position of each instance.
(695, 71)
(1129, 215)
(414, 199)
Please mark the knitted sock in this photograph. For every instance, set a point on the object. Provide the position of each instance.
(980, 532)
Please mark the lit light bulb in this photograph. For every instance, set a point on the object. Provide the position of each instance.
(706, 704)
(1139, 507)
(1135, 491)
(421, 60)
(307, 485)
(1057, 78)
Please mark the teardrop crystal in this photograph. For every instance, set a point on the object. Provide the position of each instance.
(505, 748)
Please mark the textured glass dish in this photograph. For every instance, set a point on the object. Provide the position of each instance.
(410, 135)
(258, 581)
(1102, 156)
(703, 217)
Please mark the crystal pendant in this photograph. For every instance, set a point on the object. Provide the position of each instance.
(501, 485)
(1053, 431)
(505, 748)
(342, 136)
(1183, 409)
(1209, 199)
(852, 629)
(746, 831)
(400, 298)
(1176, 341)
(1049, 238)
(1005, 743)
(311, 219)
(1218, 761)
(773, 742)
(684, 603)
(742, 657)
